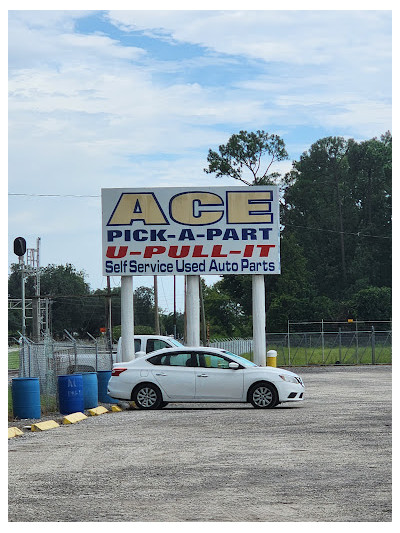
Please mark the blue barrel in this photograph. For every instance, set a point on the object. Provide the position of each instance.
(103, 377)
(26, 397)
(90, 390)
(70, 393)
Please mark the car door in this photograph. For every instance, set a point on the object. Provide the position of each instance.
(175, 374)
(215, 380)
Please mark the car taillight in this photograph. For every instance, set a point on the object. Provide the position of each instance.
(117, 371)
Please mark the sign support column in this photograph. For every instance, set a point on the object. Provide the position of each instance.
(259, 344)
(127, 322)
(193, 310)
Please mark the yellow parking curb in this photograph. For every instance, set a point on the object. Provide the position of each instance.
(73, 418)
(116, 408)
(43, 426)
(98, 410)
(14, 432)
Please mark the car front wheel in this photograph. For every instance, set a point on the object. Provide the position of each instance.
(263, 396)
(147, 396)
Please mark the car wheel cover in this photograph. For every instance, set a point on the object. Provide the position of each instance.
(262, 396)
(147, 397)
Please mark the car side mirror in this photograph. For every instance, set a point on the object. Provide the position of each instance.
(233, 365)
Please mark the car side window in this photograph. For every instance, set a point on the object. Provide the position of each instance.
(155, 344)
(174, 359)
(138, 343)
(208, 360)
(183, 359)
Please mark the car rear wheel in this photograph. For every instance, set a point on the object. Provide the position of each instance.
(147, 396)
(263, 396)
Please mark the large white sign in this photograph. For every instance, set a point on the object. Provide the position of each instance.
(165, 231)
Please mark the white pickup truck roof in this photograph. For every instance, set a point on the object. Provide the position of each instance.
(145, 344)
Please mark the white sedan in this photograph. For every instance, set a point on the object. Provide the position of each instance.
(201, 375)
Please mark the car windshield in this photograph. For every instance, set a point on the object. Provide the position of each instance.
(240, 359)
(176, 343)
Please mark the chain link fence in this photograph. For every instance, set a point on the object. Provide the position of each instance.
(49, 359)
(334, 343)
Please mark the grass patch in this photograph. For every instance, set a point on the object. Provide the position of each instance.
(13, 360)
(300, 356)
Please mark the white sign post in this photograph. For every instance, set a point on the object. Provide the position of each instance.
(127, 319)
(258, 301)
(193, 310)
(190, 231)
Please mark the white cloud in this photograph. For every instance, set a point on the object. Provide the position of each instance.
(88, 112)
(291, 36)
(47, 38)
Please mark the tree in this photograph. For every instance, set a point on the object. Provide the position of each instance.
(224, 314)
(244, 152)
(370, 162)
(373, 303)
(337, 203)
(317, 196)
(143, 299)
(292, 285)
(68, 291)
(167, 324)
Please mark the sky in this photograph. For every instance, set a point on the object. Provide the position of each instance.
(101, 99)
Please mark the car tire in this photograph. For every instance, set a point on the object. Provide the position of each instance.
(263, 396)
(147, 396)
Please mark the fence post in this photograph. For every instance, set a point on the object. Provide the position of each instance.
(288, 340)
(75, 348)
(373, 344)
(357, 342)
(340, 345)
(96, 350)
(305, 347)
(323, 341)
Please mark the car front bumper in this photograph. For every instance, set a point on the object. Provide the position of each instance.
(291, 392)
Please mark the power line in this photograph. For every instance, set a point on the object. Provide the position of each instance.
(358, 234)
(55, 195)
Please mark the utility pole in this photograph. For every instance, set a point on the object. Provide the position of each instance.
(156, 317)
(174, 307)
(202, 315)
(33, 264)
(185, 313)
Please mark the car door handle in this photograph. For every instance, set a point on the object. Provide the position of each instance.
(161, 374)
(202, 375)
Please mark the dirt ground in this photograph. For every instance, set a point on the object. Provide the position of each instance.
(327, 459)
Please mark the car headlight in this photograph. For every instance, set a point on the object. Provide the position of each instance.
(290, 379)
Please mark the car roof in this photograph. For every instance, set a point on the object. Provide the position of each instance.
(169, 337)
(185, 349)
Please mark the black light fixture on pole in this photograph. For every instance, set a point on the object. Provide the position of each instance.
(20, 250)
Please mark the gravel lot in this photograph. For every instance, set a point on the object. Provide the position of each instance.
(327, 459)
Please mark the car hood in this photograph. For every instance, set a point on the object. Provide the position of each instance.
(274, 370)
